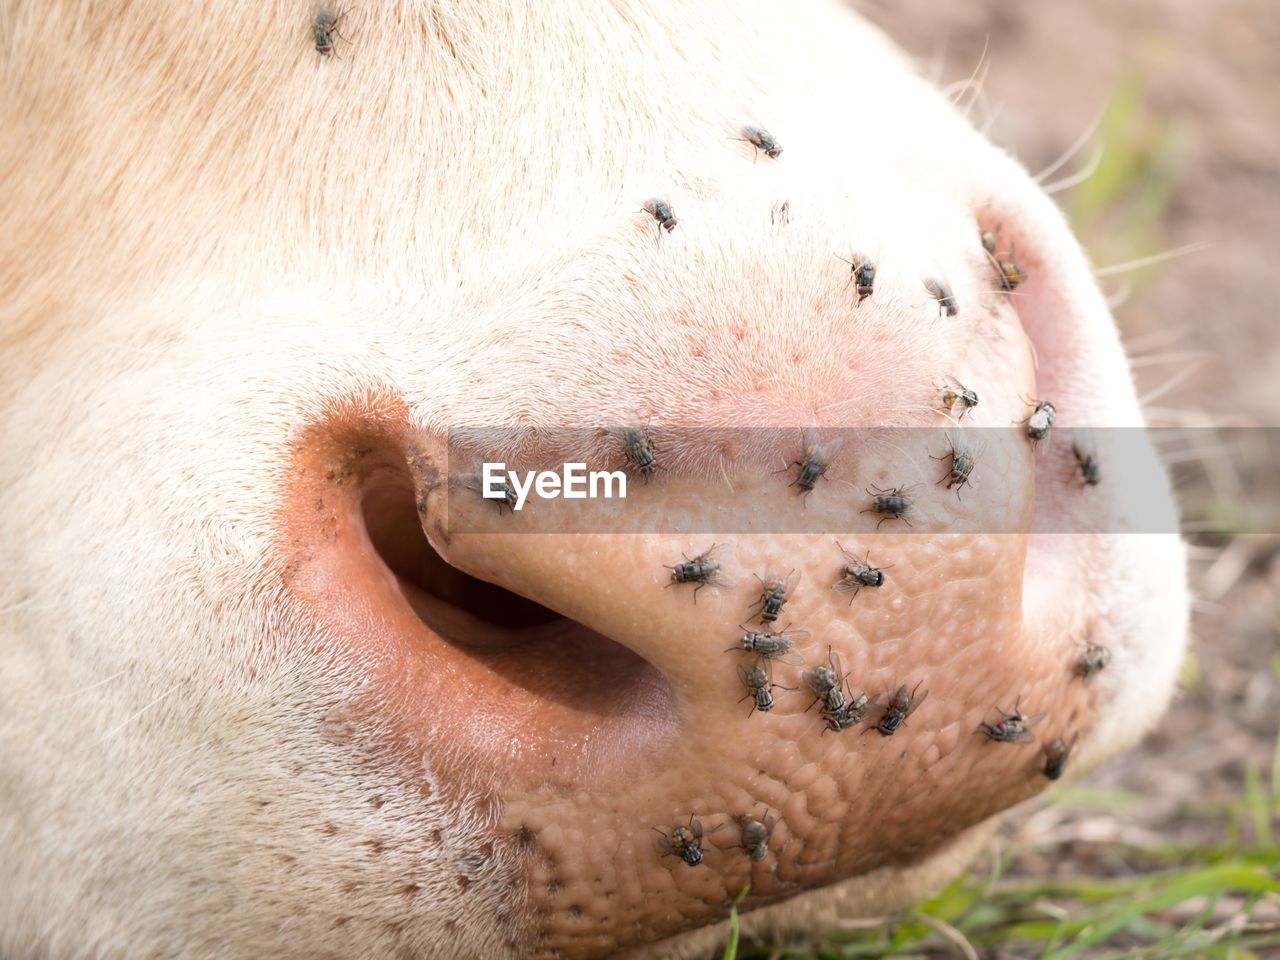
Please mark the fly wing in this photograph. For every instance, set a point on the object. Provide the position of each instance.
(709, 553)
(790, 656)
(848, 554)
(832, 446)
(915, 702)
(823, 450)
(813, 680)
(712, 555)
(718, 579)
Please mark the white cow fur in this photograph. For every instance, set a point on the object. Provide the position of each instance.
(207, 229)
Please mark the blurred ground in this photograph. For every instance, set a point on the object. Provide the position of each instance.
(1186, 93)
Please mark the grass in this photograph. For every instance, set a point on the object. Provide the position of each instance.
(1121, 210)
(1208, 901)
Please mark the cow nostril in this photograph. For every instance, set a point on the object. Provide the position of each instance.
(391, 521)
(497, 645)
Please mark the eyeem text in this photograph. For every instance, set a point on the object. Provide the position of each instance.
(573, 482)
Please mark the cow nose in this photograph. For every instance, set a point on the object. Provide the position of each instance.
(708, 736)
(597, 681)
(642, 703)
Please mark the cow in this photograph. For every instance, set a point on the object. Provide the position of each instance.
(278, 681)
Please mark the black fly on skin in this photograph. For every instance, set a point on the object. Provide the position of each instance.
(662, 213)
(862, 273)
(939, 290)
(702, 570)
(763, 141)
(1009, 276)
(758, 679)
(817, 460)
(962, 460)
(1012, 727)
(957, 394)
(774, 593)
(509, 499)
(901, 705)
(850, 713)
(755, 836)
(856, 573)
(324, 28)
(1086, 464)
(637, 447)
(1040, 421)
(1094, 659)
(1056, 753)
(774, 646)
(683, 841)
(893, 503)
(824, 682)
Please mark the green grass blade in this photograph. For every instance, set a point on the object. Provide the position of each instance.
(1203, 882)
(731, 948)
(1255, 800)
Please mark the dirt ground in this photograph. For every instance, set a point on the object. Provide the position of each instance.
(1202, 328)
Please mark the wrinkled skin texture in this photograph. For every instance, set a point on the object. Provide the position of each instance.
(246, 292)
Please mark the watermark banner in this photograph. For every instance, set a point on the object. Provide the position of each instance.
(956, 479)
